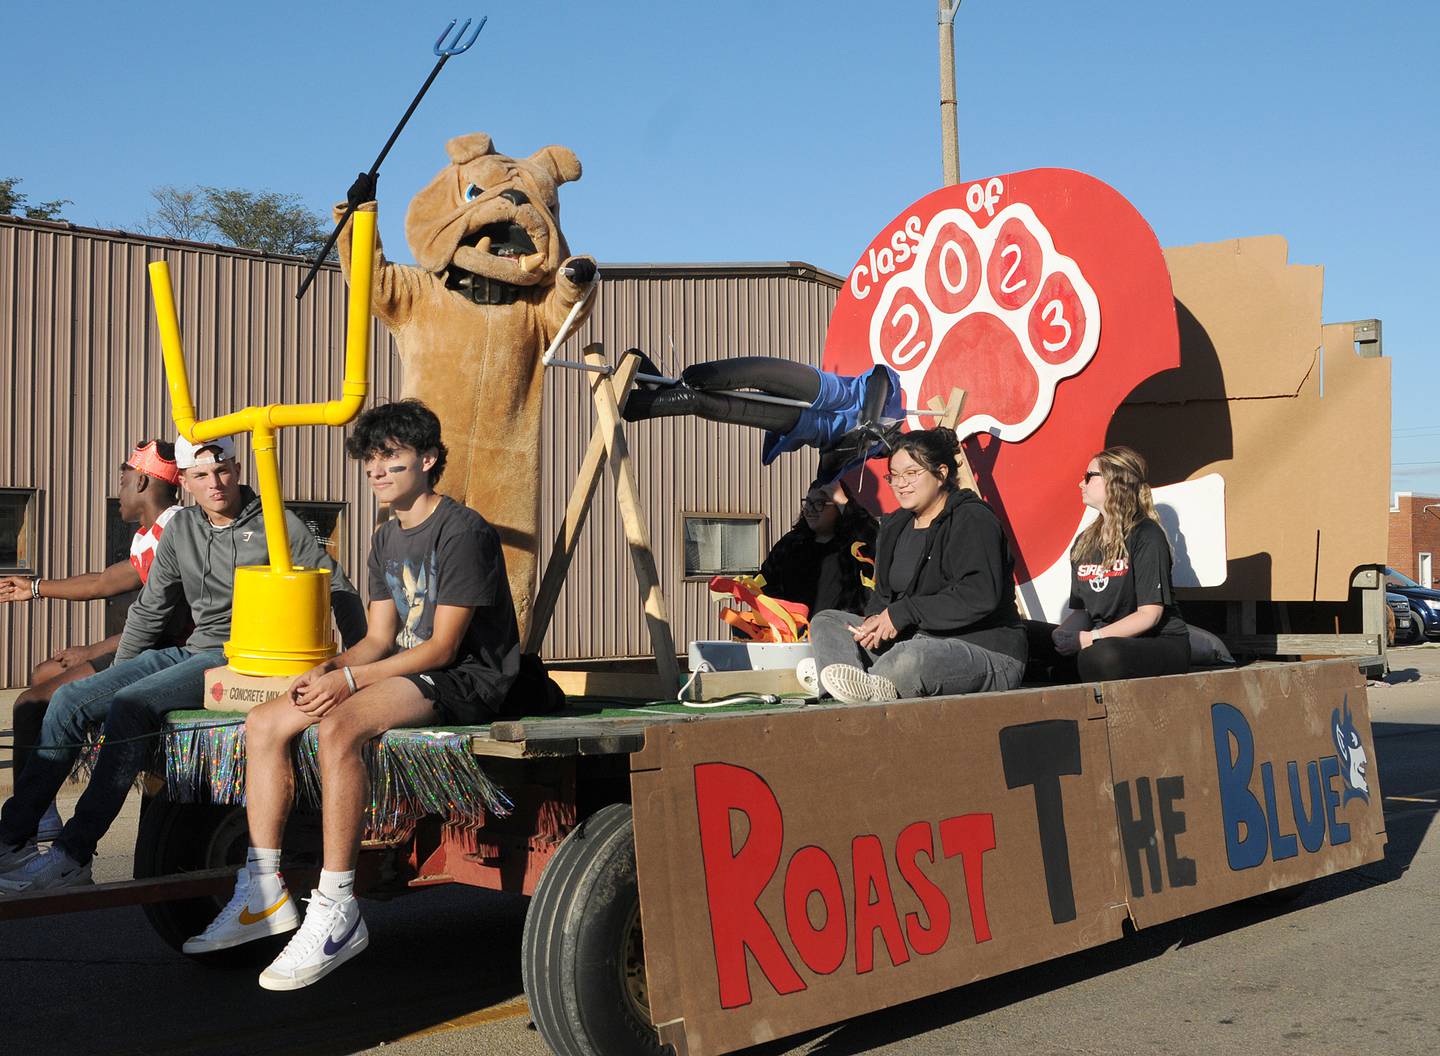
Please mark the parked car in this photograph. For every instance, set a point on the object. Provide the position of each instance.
(1424, 602)
(1404, 625)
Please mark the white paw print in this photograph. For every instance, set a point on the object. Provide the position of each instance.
(997, 311)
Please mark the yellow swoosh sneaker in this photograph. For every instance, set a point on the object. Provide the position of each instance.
(273, 913)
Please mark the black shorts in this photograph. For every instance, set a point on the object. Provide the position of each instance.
(454, 696)
(101, 662)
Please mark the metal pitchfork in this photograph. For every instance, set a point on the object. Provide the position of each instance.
(446, 46)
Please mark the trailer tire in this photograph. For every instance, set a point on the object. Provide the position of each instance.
(187, 837)
(581, 956)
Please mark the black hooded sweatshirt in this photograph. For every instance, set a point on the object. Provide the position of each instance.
(964, 582)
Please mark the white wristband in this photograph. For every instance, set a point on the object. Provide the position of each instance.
(35, 589)
(349, 679)
(1097, 634)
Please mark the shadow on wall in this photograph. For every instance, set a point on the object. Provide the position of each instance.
(1180, 437)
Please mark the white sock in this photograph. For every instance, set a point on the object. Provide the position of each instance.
(337, 886)
(266, 885)
(262, 861)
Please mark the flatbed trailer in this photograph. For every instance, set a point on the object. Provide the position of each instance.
(803, 863)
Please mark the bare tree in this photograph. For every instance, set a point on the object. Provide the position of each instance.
(265, 220)
(179, 213)
(13, 201)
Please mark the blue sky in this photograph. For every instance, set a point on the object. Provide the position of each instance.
(782, 130)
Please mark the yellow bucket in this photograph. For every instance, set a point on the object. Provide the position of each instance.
(280, 621)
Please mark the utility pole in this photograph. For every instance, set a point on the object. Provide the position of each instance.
(949, 134)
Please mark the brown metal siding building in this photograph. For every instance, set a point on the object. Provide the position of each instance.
(81, 379)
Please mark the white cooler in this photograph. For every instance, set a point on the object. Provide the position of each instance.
(722, 668)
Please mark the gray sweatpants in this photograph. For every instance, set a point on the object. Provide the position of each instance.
(922, 666)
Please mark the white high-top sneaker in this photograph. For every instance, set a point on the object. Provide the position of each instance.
(331, 934)
(240, 922)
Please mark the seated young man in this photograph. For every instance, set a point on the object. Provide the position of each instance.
(194, 569)
(442, 649)
(149, 483)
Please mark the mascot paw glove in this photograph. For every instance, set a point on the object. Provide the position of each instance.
(579, 270)
(362, 190)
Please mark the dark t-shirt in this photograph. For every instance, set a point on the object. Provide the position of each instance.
(909, 549)
(453, 557)
(819, 575)
(1112, 592)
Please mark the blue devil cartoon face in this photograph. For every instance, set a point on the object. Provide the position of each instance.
(1353, 760)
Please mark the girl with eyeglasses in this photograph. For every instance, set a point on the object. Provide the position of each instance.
(1123, 621)
(814, 563)
(942, 619)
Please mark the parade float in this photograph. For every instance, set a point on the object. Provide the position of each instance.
(798, 862)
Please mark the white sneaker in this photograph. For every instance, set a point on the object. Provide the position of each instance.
(14, 857)
(332, 933)
(47, 871)
(882, 689)
(50, 824)
(806, 675)
(848, 684)
(238, 923)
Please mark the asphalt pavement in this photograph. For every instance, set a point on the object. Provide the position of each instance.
(1352, 965)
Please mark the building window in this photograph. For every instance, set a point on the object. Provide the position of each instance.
(326, 521)
(19, 510)
(721, 544)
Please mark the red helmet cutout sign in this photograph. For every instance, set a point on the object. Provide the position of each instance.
(1045, 296)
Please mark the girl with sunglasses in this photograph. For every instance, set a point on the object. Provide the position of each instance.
(1123, 621)
(814, 563)
(942, 619)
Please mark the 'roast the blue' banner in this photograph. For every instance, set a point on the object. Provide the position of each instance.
(801, 868)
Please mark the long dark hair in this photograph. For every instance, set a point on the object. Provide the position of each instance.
(931, 449)
(854, 521)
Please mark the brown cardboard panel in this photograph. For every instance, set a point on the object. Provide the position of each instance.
(1202, 826)
(1243, 305)
(227, 690)
(907, 797)
(1305, 475)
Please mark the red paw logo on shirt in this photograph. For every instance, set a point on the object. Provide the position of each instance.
(1045, 296)
(1098, 576)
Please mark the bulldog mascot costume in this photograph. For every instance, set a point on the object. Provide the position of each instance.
(494, 285)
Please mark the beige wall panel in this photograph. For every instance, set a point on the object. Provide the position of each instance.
(1259, 312)
(1306, 476)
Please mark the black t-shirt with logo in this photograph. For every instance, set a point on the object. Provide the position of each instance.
(452, 557)
(1110, 592)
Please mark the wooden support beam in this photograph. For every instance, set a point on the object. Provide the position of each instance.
(576, 512)
(627, 496)
(952, 408)
(219, 882)
(1304, 644)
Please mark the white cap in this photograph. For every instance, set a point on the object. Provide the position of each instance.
(188, 455)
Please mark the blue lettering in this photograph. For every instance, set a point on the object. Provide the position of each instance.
(1282, 845)
(1329, 771)
(1312, 823)
(1238, 805)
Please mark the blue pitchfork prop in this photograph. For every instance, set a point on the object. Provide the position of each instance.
(446, 46)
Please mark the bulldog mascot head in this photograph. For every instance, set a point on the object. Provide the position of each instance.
(494, 284)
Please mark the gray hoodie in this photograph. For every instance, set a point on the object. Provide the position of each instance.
(195, 565)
